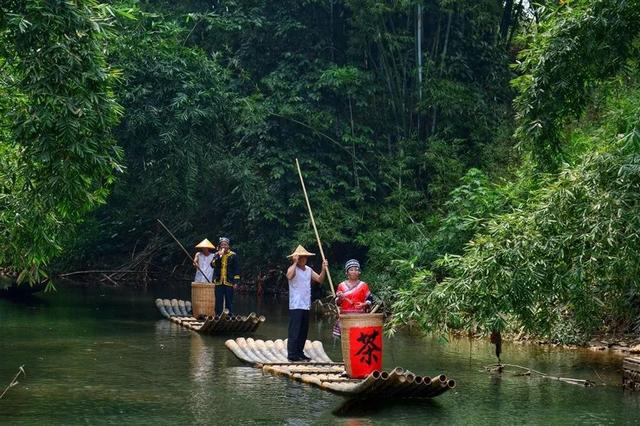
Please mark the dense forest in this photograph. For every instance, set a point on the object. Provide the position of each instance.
(480, 157)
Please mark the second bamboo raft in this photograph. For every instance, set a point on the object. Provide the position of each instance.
(271, 357)
(179, 311)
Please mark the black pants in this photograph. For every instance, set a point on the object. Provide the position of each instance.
(224, 293)
(298, 331)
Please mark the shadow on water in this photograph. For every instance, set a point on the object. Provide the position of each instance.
(369, 406)
(26, 299)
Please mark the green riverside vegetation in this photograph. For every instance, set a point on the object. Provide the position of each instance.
(479, 157)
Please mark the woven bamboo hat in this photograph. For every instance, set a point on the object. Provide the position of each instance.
(301, 251)
(206, 244)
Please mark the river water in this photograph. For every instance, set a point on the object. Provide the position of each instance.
(105, 356)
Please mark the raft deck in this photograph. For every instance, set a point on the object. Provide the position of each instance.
(322, 372)
(179, 312)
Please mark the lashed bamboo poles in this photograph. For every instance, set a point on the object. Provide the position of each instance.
(179, 312)
(163, 311)
(313, 222)
(398, 383)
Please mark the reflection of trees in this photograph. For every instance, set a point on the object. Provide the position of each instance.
(202, 374)
(201, 357)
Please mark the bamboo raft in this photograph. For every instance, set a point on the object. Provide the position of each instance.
(180, 312)
(631, 373)
(322, 372)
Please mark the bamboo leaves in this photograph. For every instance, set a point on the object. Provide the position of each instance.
(61, 110)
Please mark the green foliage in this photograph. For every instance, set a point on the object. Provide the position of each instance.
(58, 156)
(468, 208)
(213, 123)
(575, 47)
(569, 253)
(550, 254)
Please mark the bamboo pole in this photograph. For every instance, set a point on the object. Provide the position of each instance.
(183, 308)
(176, 307)
(183, 249)
(163, 311)
(313, 222)
(169, 308)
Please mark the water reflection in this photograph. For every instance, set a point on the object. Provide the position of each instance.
(201, 361)
(370, 406)
(99, 357)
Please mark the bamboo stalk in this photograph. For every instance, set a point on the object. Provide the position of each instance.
(281, 348)
(405, 383)
(424, 389)
(277, 356)
(233, 346)
(318, 368)
(264, 350)
(256, 352)
(182, 308)
(367, 382)
(337, 387)
(257, 324)
(313, 222)
(242, 343)
(163, 311)
(249, 322)
(308, 350)
(240, 323)
(393, 380)
(320, 351)
(183, 249)
(176, 307)
(378, 379)
(207, 324)
(169, 308)
(414, 387)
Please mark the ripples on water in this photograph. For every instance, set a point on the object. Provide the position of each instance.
(100, 356)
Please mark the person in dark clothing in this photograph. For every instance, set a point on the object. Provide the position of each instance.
(226, 275)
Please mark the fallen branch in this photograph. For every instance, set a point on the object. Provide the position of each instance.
(111, 279)
(98, 271)
(499, 368)
(14, 381)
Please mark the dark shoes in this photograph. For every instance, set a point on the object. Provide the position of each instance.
(302, 358)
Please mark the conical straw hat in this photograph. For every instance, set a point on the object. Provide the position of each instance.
(206, 244)
(301, 251)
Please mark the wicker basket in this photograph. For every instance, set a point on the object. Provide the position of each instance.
(203, 299)
(361, 357)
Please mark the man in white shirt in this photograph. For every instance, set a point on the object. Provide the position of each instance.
(300, 277)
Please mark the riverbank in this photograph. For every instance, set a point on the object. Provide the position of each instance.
(628, 344)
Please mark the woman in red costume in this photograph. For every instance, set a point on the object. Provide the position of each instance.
(352, 295)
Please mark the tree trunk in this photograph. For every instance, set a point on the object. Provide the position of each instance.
(505, 23)
(446, 41)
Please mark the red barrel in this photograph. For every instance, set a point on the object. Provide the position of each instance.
(361, 343)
